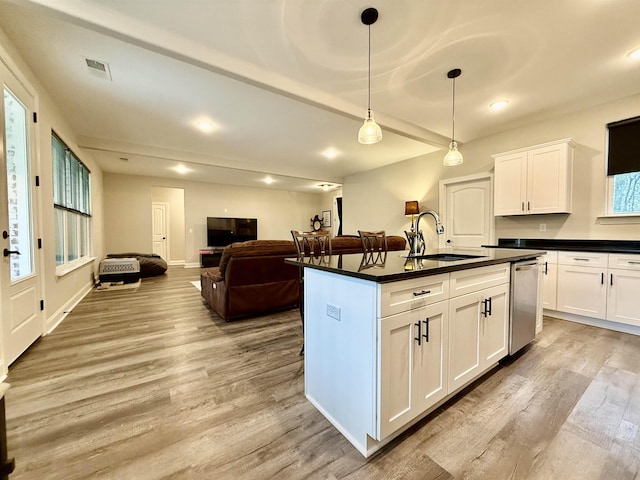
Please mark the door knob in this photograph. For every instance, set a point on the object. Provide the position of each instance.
(8, 252)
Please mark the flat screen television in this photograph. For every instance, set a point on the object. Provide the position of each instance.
(222, 231)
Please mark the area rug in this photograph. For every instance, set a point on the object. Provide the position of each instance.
(197, 285)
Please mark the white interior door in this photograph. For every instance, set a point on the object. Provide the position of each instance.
(21, 313)
(466, 204)
(160, 228)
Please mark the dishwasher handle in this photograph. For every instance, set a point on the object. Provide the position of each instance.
(527, 266)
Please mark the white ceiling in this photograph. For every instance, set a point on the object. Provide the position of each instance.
(285, 80)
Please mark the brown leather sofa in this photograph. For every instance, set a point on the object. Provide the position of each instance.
(253, 278)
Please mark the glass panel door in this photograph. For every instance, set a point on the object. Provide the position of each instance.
(18, 191)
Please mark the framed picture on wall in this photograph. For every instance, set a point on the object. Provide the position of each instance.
(326, 218)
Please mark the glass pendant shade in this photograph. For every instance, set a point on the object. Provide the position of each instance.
(370, 132)
(453, 156)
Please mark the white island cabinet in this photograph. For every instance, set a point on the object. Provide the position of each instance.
(478, 322)
(381, 356)
(412, 345)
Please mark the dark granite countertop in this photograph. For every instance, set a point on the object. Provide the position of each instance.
(604, 246)
(397, 266)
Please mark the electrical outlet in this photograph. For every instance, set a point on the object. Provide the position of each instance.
(333, 311)
(543, 227)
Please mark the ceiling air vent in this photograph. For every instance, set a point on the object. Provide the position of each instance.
(98, 68)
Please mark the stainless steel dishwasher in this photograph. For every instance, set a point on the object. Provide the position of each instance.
(524, 304)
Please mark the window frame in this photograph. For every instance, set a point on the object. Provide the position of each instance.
(71, 203)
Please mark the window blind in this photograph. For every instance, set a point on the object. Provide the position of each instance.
(624, 146)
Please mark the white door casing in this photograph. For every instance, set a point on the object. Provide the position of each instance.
(20, 312)
(160, 229)
(466, 205)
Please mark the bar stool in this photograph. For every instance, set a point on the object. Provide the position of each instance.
(374, 246)
(311, 247)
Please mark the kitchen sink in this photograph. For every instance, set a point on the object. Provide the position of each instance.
(445, 257)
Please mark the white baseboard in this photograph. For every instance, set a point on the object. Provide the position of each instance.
(594, 322)
(176, 262)
(59, 315)
(191, 265)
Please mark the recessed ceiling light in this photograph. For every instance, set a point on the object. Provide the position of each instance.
(499, 105)
(330, 153)
(268, 180)
(635, 54)
(181, 169)
(325, 186)
(205, 126)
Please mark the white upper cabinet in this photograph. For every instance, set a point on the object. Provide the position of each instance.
(534, 180)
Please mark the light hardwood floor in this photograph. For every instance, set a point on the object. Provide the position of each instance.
(149, 384)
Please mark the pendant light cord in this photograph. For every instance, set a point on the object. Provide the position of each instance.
(369, 78)
(453, 112)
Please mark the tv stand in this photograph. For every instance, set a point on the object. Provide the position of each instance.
(210, 257)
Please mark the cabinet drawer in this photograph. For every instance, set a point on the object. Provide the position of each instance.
(624, 261)
(475, 279)
(585, 259)
(406, 295)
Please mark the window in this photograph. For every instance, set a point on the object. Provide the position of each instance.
(625, 193)
(623, 167)
(72, 205)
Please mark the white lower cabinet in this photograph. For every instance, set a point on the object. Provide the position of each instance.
(600, 285)
(413, 364)
(623, 300)
(478, 333)
(582, 291)
(429, 351)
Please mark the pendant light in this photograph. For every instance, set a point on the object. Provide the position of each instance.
(370, 132)
(453, 156)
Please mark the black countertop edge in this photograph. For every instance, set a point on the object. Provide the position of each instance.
(436, 269)
(603, 246)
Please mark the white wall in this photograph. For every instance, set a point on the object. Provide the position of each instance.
(128, 200)
(59, 293)
(375, 199)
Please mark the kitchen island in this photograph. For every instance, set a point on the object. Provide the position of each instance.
(388, 339)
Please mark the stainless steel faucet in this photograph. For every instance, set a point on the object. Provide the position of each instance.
(439, 228)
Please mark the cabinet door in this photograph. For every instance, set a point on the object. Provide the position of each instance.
(549, 285)
(464, 339)
(431, 361)
(549, 179)
(398, 334)
(494, 326)
(582, 290)
(413, 365)
(623, 302)
(510, 184)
